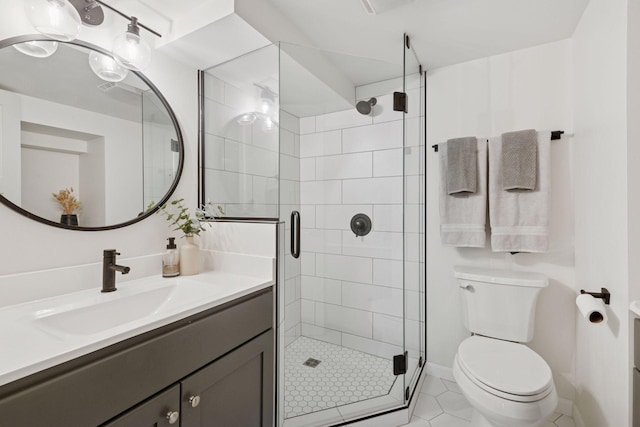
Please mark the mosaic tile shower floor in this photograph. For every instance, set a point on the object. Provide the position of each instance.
(343, 376)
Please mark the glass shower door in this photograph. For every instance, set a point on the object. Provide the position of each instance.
(413, 216)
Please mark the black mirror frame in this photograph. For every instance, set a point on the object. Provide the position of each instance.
(37, 37)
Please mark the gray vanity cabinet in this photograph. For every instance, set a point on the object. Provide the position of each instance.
(160, 411)
(224, 356)
(233, 390)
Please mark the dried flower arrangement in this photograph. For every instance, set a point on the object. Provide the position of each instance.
(67, 201)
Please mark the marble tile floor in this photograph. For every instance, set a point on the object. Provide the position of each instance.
(440, 404)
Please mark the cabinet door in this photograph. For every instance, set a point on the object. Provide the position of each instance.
(159, 411)
(235, 390)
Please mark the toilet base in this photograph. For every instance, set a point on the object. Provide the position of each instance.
(479, 420)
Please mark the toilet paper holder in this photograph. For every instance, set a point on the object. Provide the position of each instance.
(603, 294)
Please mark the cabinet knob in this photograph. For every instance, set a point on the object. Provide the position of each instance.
(173, 417)
(194, 401)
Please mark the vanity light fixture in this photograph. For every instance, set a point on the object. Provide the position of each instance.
(56, 19)
(62, 19)
(129, 50)
(37, 48)
(105, 67)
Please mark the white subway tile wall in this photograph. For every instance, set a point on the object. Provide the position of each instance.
(352, 287)
(296, 310)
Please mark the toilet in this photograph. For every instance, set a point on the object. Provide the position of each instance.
(507, 383)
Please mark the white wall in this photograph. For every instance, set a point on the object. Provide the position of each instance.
(601, 216)
(10, 174)
(633, 153)
(35, 246)
(524, 89)
(45, 172)
(122, 151)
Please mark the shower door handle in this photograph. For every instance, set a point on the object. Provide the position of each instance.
(295, 234)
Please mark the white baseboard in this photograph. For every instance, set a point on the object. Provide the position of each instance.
(440, 371)
(565, 407)
(577, 417)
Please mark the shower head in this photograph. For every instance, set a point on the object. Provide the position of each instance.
(365, 107)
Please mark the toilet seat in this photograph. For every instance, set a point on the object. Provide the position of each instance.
(505, 369)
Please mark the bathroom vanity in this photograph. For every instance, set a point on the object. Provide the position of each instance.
(214, 365)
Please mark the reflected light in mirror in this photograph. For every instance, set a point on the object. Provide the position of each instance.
(268, 125)
(106, 67)
(56, 19)
(247, 119)
(37, 48)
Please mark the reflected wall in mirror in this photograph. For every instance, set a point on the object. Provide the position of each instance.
(116, 143)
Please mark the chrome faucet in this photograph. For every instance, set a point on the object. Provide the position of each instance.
(109, 268)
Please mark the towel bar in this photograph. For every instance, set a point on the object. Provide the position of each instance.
(555, 134)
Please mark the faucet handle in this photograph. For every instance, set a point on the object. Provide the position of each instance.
(110, 252)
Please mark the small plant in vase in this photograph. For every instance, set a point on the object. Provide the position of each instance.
(70, 206)
(179, 217)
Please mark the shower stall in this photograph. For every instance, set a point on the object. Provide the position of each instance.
(332, 148)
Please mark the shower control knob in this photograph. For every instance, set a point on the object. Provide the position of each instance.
(173, 417)
(194, 401)
(360, 224)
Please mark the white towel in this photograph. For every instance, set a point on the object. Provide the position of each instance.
(519, 220)
(463, 218)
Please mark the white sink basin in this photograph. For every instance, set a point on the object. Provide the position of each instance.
(42, 333)
(100, 314)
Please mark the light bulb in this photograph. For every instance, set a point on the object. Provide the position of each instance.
(266, 105)
(268, 125)
(56, 19)
(130, 50)
(106, 67)
(37, 48)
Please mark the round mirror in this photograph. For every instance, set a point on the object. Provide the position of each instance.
(84, 145)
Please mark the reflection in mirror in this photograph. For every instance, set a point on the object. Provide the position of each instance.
(116, 143)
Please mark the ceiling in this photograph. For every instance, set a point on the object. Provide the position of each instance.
(443, 32)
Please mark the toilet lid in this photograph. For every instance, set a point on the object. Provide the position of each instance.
(505, 366)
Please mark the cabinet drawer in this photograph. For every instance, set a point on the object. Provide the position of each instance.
(93, 389)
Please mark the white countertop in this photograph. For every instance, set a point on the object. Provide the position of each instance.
(40, 334)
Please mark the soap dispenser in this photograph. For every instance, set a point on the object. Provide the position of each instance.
(171, 260)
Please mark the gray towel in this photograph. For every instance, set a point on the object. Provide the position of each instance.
(519, 160)
(462, 166)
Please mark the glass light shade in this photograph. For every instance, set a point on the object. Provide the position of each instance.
(37, 48)
(132, 52)
(106, 67)
(56, 19)
(247, 119)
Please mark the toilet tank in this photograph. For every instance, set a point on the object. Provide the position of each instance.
(499, 303)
